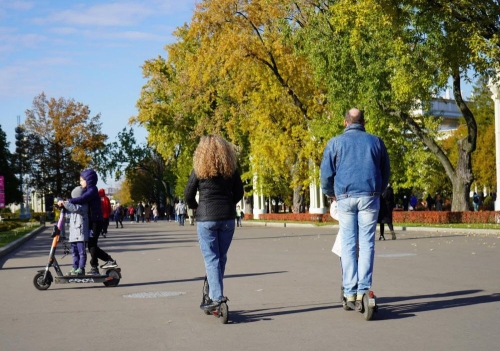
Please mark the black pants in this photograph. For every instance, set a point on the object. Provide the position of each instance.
(95, 251)
(105, 224)
(391, 228)
(118, 220)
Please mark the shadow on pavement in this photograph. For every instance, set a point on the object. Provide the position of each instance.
(249, 316)
(405, 310)
(202, 278)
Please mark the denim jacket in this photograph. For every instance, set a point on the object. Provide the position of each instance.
(355, 164)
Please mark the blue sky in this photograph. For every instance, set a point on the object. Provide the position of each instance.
(89, 51)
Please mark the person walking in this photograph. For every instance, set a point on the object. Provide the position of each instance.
(355, 170)
(106, 211)
(220, 188)
(239, 215)
(154, 209)
(181, 210)
(385, 213)
(119, 214)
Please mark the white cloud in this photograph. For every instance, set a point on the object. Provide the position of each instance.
(28, 39)
(16, 5)
(115, 14)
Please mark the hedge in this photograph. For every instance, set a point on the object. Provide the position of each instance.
(427, 217)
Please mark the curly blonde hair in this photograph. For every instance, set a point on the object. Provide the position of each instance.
(214, 156)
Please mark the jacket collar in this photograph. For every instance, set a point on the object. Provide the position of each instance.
(354, 126)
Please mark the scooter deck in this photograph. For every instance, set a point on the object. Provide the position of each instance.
(82, 279)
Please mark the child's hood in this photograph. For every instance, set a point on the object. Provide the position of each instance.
(90, 176)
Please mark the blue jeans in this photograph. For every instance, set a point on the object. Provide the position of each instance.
(215, 238)
(358, 222)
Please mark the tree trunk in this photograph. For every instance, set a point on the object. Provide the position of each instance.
(462, 180)
(297, 199)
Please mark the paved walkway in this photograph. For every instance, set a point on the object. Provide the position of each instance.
(436, 291)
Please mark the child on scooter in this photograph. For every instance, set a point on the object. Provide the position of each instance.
(90, 197)
(78, 232)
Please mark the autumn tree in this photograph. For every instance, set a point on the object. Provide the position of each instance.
(62, 138)
(233, 73)
(391, 57)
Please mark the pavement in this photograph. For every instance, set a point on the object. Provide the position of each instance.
(436, 290)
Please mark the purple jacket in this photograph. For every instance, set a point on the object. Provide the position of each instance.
(90, 196)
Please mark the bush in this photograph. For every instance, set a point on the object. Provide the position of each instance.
(6, 226)
(426, 217)
(298, 217)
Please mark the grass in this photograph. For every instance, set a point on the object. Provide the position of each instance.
(11, 235)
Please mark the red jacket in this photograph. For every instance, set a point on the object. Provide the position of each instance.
(105, 204)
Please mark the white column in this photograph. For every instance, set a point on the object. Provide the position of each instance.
(496, 98)
(316, 199)
(258, 199)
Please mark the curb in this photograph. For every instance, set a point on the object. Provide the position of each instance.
(464, 231)
(5, 250)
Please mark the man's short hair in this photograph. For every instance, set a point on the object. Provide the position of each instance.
(355, 115)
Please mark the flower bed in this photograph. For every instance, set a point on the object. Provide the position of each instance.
(428, 217)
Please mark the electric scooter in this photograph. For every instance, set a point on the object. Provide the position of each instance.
(110, 277)
(368, 304)
(221, 311)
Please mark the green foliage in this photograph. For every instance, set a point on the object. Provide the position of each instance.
(7, 169)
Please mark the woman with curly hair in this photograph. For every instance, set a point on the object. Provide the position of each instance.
(220, 188)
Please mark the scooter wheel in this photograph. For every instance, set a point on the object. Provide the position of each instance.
(40, 283)
(368, 311)
(113, 282)
(223, 312)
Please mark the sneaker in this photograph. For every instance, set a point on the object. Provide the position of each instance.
(393, 235)
(72, 271)
(94, 271)
(110, 264)
(80, 271)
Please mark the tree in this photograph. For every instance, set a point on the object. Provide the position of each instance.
(390, 57)
(147, 175)
(11, 182)
(482, 107)
(233, 73)
(62, 139)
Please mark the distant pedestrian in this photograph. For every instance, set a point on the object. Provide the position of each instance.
(119, 214)
(154, 209)
(475, 202)
(413, 202)
(181, 210)
(430, 202)
(385, 214)
(106, 211)
(239, 216)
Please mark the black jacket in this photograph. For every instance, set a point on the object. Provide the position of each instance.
(217, 199)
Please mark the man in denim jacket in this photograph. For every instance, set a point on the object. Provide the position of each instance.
(355, 170)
